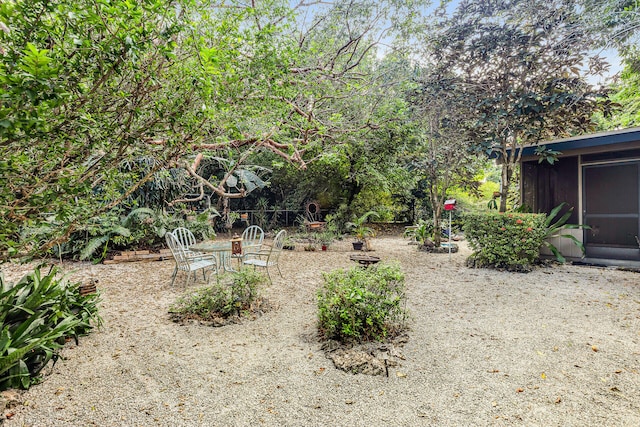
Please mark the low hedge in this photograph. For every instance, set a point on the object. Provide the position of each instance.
(505, 240)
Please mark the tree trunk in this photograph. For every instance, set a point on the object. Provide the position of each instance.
(507, 173)
(437, 213)
(437, 229)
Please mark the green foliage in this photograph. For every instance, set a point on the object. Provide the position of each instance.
(233, 294)
(337, 221)
(85, 86)
(140, 228)
(505, 240)
(326, 237)
(524, 67)
(626, 96)
(439, 149)
(513, 240)
(359, 228)
(546, 154)
(360, 304)
(37, 314)
(420, 232)
(99, 97)
(554, 229)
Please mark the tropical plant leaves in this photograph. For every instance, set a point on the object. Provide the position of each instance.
(36, 313)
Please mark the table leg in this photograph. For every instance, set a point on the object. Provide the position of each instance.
(225, 260)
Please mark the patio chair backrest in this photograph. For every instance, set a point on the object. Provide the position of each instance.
(177, 250)
(278, 243)
(185, 237)
(252, 236)
(188, 261)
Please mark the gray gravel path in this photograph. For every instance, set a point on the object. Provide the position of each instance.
(556, 347)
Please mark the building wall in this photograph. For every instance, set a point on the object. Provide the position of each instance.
(545, 186)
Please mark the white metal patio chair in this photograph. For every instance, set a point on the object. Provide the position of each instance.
(189, 262)
(267, 257)
(185, 237)
(252, 238)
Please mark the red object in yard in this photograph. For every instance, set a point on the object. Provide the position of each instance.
(450, 205)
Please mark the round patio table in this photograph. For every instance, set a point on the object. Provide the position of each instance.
(221, 248)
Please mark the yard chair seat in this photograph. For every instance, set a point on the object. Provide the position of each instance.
(267, 257)
(188, 261)
(252, 238)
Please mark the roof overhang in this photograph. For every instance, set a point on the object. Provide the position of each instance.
(615, 140)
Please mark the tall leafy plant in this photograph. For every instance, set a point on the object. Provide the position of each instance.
(359, 228)
(554, 228)
(524, 68)
(37, 314)
(86, 85)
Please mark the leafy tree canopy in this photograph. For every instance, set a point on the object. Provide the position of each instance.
(88, 87)
(521, 66)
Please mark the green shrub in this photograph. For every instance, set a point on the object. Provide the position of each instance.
(140, 228)
(421, 232)
(37, 314)
(233, 294)
(360, 304)
(505, 240)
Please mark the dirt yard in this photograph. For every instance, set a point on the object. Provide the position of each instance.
(557, 346)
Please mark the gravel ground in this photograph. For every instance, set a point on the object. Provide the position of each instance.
(559, 346)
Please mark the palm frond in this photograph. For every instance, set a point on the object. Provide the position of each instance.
(93, 246)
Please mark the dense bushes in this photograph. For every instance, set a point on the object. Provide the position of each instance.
(231, 295)
(141, 228)
(505, 240)
(361, 304)
(37, 314)
(513, 240)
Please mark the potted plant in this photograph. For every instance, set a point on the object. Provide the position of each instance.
(326, 238)
(360, 230)
(289, 244)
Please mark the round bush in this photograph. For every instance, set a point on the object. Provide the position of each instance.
(361, 304)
